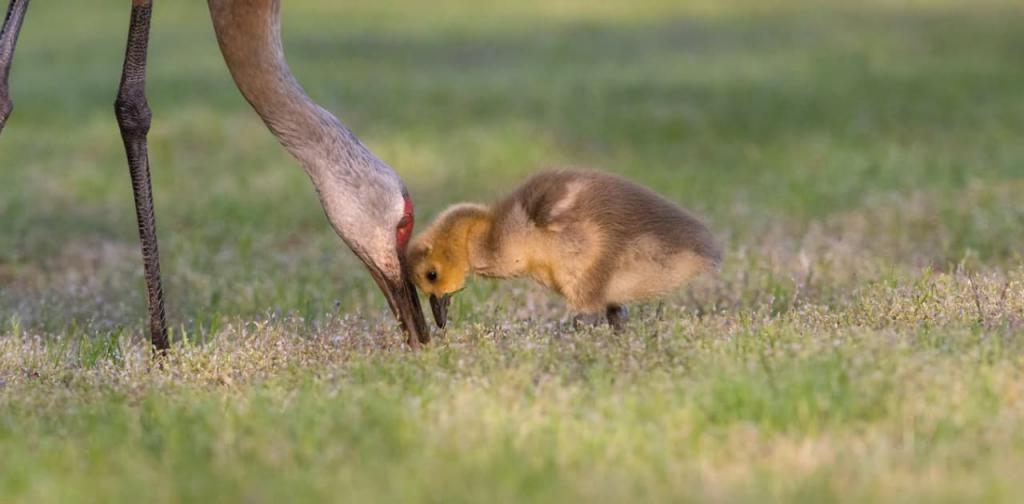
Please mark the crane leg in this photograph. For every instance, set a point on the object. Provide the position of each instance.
(133, 118)
(8, 39)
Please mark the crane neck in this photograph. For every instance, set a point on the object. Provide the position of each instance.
(249, 35)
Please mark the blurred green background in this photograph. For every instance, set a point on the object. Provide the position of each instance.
(755, 115)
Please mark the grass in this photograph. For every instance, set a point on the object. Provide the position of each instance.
(864, 342)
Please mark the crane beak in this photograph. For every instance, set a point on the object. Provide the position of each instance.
(440, 309)
(405, 305)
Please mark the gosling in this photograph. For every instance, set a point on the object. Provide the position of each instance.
(598, 240)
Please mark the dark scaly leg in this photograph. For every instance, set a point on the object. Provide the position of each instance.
(133, 117)
(617, 317)
(8, 39)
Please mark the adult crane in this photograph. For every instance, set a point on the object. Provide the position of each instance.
(366, 202)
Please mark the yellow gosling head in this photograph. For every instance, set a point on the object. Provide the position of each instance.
(438, 257)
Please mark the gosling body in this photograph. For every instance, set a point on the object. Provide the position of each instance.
(598, 240)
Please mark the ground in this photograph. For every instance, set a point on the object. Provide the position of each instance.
(861, 162)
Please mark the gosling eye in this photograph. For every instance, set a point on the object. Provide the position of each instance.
(432, 275)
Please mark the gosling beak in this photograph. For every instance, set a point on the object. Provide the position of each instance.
(440, 309)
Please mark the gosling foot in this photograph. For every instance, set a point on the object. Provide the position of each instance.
(617, 317)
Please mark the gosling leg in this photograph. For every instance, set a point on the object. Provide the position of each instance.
(617, 317)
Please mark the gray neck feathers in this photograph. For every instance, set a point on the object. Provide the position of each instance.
(249, 35)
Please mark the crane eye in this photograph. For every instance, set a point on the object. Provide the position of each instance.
(432, 275)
